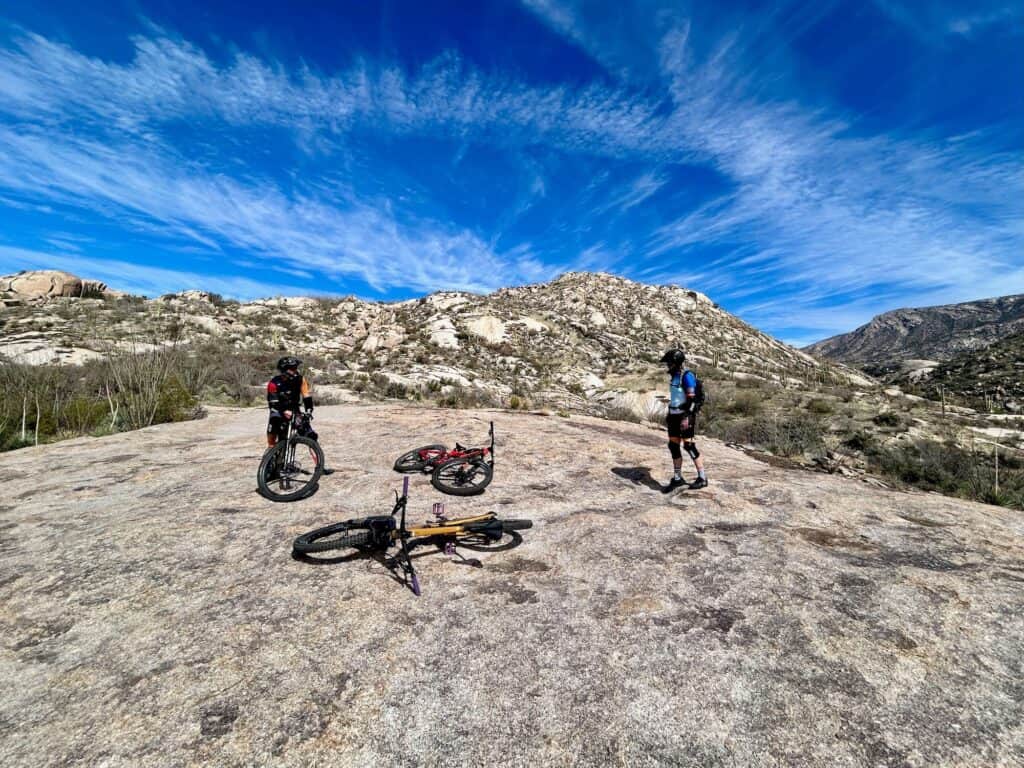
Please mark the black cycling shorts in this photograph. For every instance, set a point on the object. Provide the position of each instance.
(682, 425)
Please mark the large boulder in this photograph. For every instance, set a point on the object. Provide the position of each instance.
(29, 287)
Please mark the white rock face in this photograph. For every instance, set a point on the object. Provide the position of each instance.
(251, 309)
(592, 381)
(440, 373)
(39, 349)
(447, 300)
(529, 323)
(442, 333)
(487, 327)
(597, 319)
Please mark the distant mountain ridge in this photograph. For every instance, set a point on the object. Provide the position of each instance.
(927, 333)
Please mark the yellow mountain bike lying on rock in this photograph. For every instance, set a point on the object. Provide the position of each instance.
(380, 532)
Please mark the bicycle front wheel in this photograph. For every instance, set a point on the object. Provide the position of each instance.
(337, 536)
(291, 469)
(460, 477)
(418, 459)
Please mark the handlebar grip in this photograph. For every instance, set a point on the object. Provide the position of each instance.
(405, 485)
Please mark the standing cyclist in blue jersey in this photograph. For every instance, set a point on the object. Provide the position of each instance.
(686, 400)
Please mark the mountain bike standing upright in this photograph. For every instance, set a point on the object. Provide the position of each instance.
(291, 469)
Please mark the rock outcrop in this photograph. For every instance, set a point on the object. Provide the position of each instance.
(46, 284)
(153, 615)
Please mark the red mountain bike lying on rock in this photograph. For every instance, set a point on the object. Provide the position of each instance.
(460, 472)
(379, 532)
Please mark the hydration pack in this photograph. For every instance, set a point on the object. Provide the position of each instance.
(699, 396)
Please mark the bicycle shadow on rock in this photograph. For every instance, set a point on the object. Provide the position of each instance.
(393, 567)
(639, 476)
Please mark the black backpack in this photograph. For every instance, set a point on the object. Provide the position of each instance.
(698, 392)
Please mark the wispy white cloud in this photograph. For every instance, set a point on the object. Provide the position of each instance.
(932, 23)
(813, 206)
(153, 190)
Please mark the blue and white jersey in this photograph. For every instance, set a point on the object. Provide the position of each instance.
(682, 386)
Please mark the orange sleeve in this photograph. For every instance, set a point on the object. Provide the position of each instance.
(306, 389)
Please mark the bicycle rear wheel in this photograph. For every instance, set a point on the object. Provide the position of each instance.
(291, 469)
(461, 477)
(337, 536)
(418, 459)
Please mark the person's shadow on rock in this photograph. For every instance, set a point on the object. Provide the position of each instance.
(639, 476)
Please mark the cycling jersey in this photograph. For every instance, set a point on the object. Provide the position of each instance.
(286, 393)
(682, 389)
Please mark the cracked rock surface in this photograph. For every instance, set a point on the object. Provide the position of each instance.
(151, 613)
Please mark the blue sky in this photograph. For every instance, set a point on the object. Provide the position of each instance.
(805, 165)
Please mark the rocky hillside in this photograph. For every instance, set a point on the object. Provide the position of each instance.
(925, 334)
(563, 337)
(152, 613)
(991, 377)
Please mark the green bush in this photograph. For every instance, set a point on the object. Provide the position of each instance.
(82, 415)
(175, 403)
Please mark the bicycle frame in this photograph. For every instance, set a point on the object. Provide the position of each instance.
(485, 452)
(443, 527)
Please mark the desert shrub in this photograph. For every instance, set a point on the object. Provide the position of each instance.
(860, 441)
(791, 434)
(82, 415)
(617, 412)
(751, 384)
(744, 404)
(820, 406)
(467, 397)
(516, 403)
(949, 469)
(140, 382)
(175, 403)
(890, 419)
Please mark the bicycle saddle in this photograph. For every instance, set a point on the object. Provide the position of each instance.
(460, 447)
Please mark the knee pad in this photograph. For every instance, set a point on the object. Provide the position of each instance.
(691, 448)
(673, 448)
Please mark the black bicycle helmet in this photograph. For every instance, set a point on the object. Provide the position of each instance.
(288, 362)
(674, 358)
